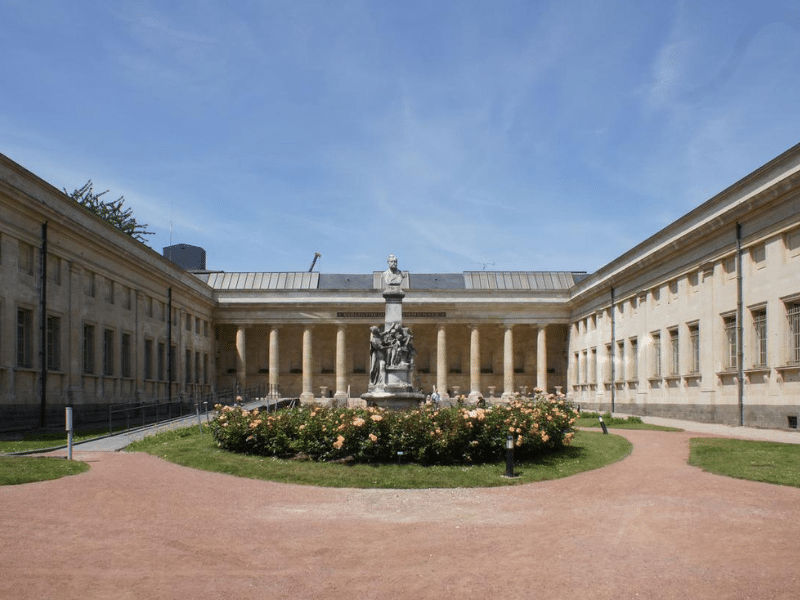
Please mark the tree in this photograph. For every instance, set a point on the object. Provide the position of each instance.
(111, 211)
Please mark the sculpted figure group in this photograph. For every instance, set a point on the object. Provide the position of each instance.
(392, 347)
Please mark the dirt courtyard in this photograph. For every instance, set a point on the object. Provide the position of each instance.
(650, 526)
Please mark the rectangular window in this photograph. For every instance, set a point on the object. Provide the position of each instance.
(88, 349)
(607, 364)
(793, 314)
(675, 352)
(205, 368)
(148, 359)
(126, 297)
(25, 258)
(620, 375)
(197, 367)
(53, 343)
(592, 365)
(88, 283)
(148, 307)
(760, 337)
(197, 325)
(634, 374)
(24, 338)
(656, 294)
(187, 367)
(694, 347)
(205, 328)
(656, 354)
(126, 354)
(162, 357)
(188, 322)
(584, 367)
(730, 361)
(108, 352)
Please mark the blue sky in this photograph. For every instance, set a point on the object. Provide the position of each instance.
(459, 135)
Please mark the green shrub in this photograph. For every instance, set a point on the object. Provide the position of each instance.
(427, 436)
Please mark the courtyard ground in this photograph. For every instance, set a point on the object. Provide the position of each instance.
(649, 526)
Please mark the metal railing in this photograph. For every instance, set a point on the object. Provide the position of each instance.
(158, 410)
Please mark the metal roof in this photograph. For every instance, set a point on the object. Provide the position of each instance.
(519, 280)
(470, 280)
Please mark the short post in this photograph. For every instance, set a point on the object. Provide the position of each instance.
(603, 425)
(69, 432)
(399, 456)
(509, 456)
(205, 408)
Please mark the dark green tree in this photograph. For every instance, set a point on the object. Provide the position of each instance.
(112, 211)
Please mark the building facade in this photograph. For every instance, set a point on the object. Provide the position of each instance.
(700, 321)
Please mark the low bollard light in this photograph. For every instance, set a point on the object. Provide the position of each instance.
(399, 456)
(603, 425)
(509, 456)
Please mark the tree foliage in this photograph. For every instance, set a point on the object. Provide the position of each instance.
(112, 211)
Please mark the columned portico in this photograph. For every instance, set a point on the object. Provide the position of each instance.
(508, 362)
(474, 362)
(541, 357)
(308, 364)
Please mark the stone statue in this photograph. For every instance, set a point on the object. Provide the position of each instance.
(391, 347)
(392, 275)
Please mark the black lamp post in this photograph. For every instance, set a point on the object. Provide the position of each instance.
(509, 456)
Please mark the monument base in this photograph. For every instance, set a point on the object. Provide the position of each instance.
(393, 400)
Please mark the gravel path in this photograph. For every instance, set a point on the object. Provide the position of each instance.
(650, 526)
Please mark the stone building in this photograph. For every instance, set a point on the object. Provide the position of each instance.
(700, 321)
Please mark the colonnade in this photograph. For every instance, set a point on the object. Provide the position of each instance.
(341, 375)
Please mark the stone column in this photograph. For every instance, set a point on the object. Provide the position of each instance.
(508, 362)
(441, 361)
(474, 362)
(341, 365)
(308, 364)
(241, 357)
(274, 361)
(541, 357)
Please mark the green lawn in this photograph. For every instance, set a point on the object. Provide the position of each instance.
(769, 462)
(26, 469)
(632, 422)
(187, 447)
(53, 439)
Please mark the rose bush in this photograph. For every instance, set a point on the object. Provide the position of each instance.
(429, 435)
